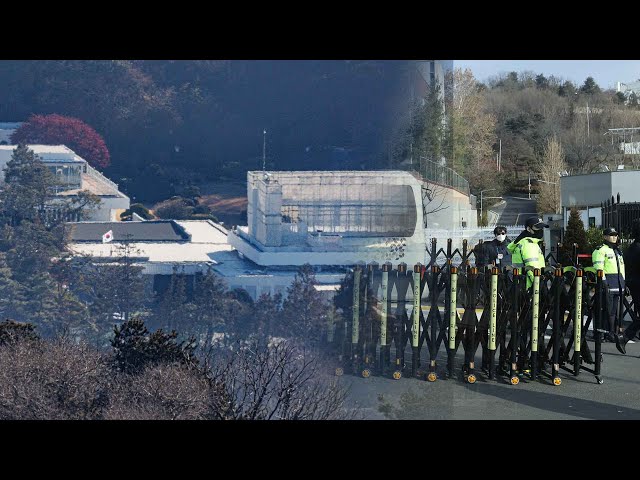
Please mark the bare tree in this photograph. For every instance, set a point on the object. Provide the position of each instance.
(552, 163)
(433, 198)
(61, 380)
(162, 392)
(52, 381)
(471, 125)
(275, 382)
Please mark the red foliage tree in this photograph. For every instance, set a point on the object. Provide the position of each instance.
(57, 129)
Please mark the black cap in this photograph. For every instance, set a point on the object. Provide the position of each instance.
(499, 228)
(536, 223)
(609, 231)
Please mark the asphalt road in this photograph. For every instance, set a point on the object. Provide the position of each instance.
(515, 210)
(581, 397)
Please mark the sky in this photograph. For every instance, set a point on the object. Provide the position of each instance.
(605, 72)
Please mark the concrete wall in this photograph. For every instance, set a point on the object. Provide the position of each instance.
(108, 209)
(457, 209)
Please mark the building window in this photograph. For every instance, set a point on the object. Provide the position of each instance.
(592, 221)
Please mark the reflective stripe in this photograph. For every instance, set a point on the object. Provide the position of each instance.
(518, 265)
(527, 260)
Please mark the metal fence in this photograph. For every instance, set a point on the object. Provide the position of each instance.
(619, 215)
(472, 235)
(527, 324)
(443, 175)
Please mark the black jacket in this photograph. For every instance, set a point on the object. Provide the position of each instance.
(632, 263)
(488, 253)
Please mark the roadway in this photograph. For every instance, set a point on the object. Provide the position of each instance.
(578, 397)
(514, 210)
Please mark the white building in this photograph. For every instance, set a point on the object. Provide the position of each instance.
(341, 218)
(628, 88)
(331, 220)
(75, 174)
(189, 247)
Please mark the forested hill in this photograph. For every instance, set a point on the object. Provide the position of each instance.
(168, 124)
(167, 121)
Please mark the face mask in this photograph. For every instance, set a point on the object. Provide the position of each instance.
(538, 233)
(501, 238)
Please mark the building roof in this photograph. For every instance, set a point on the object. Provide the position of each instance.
(151, 231)
(50, 153)
(206, 242)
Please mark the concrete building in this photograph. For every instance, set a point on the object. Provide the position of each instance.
(75, 174)
(586, 192)
(340, 218)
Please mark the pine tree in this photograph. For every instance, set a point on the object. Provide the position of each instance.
(574, 234)
(135, 348)
(304, 310)
(116, 289)
(428, 130)
(28, 184)
(211, 305)
(172, 309)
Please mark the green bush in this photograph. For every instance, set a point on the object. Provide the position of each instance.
(138, 209)
(594, 238)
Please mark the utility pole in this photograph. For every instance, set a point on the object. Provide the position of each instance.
(264, 149)
(500, 157)
(587, 119)
(529, 185)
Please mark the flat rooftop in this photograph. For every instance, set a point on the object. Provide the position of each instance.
(95, 186)
(150, 231)
(47, 153)
(167, 241)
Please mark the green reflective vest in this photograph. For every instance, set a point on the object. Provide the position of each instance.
(527, 253)
(604, 258)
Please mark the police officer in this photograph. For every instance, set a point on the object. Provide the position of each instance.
(495, 250)
(608, 258)
(488, 253)
(525, 250)
(632, 261)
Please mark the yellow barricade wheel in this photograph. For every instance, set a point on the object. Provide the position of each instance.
(339, 372)
(397, 375)
(366, 373)
(557, 381)
(432, 377)
(515, 380)
(471, 378)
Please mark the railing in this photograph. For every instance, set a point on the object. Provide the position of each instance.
(442, 175)
(100, 177)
